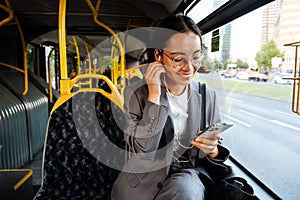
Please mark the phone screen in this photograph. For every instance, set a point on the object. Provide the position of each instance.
(215, 128)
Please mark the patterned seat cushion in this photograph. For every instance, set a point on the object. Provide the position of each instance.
(84, 149)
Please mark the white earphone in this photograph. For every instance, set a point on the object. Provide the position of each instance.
(159, 58)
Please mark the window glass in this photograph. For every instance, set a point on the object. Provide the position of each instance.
(265, 137)
(30, 57)
(198, 13)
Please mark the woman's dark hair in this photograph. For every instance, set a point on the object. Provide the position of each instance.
(174, 23)
(179, 23)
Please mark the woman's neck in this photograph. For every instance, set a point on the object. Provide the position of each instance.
(174, 88)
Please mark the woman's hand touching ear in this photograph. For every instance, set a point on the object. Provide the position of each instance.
(153, 79)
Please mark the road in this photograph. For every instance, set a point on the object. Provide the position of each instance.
(265, 139)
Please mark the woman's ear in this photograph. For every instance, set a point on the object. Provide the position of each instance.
(157, 55)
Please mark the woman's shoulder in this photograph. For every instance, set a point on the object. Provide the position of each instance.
(138, 87)
(195, 85)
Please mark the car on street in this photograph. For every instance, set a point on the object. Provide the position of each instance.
(242, 75)
(258, 77)
(283, 78)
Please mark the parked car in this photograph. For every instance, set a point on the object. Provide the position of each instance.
(280, 78)
(242, 75)
(228, 75)
(263, 77)
(258, 77)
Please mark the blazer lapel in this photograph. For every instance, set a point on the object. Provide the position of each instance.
(194, 110)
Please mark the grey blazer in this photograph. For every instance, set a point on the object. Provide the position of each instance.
(149, 134)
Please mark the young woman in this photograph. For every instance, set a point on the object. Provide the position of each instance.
(163, 113)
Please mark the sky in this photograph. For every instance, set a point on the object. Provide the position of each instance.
(246, 31)
(246, 36)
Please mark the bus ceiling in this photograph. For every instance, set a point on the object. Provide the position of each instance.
(41, 16)
(38, 17)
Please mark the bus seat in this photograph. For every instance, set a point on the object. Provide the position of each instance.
(84, 149)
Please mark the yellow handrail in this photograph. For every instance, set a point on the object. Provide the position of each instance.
(62, 44)
(89, 57)
(135, 67)
(24, 57)
(77, 54)
(67, 85)
(114, 64)
(11, 66)
(134, 72)
(25, 64)
(9, 11)
(114, 96)
(95, 11)
(296, 108)
(62, 39)
(89, 60)
(22, 181)
(296, 84)
(93, 52)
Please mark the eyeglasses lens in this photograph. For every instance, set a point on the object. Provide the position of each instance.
(181, 60)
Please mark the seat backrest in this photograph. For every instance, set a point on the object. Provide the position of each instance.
(84, 149)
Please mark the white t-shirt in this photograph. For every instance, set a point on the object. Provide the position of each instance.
(179, 111)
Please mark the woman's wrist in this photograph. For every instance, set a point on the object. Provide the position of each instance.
(154, 99)
(214, 153)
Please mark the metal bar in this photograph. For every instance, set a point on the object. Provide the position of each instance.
(27, 176)
(122, 62)
(24, 57)
(295, 92)
(77, 54)
(114, 96)
(22, 181)
(9, 11)
(297, 81)
(62, 39)
(295, 98)
(11, 66)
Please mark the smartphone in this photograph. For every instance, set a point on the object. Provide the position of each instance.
(215, 128)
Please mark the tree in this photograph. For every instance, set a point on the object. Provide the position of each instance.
(241, 64)
(266, 53)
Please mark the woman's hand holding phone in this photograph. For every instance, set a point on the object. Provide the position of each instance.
(208, 145)
(207, 140)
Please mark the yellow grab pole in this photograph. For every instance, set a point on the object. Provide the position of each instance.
(24, 57)
(77, 53)
(9, 11)
(62, 39)
(122, 62)
(64, 84)
(89, 57)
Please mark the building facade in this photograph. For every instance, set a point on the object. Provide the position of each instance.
(281, 23)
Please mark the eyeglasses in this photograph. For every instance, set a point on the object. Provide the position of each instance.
(181, 60)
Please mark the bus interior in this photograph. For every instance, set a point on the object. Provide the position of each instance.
(53, 52)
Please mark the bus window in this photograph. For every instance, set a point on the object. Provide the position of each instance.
(265, 138)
